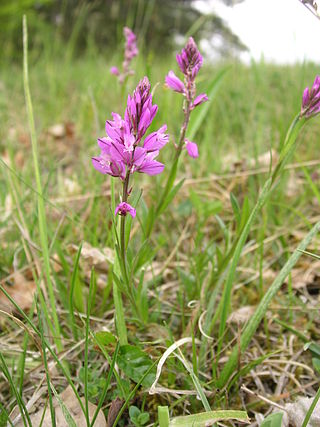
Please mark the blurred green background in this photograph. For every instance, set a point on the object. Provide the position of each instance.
(97, 25)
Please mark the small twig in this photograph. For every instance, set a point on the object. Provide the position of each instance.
(264, 399)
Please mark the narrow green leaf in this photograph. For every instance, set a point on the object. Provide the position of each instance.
(163, 416)
(71, 293)
(204, 418)
(42, 223)
(235, 207)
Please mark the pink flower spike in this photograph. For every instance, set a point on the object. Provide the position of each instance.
(310, 105)
(200, 99)
(115, 71)
(192, 149)
(124, 208)
(174, 83)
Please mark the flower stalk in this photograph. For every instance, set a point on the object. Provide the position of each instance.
(190, 62)
(124, 151)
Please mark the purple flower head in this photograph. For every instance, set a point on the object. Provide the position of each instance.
(311, 100)
(192, 149)
(122, 152)
(174, 83)
(140, 112)
(131, 49)
(124, 208)
(190, 62)
(190, 59)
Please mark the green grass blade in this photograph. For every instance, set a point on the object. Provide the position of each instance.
(224, 304)
(311, 409)
(46, 368)
(71, 294)
(195, 381)
(23, 410)
(255, 320)
(41, 208)
(86, 345)
(54, 356)
(106, 386)
(132, 393)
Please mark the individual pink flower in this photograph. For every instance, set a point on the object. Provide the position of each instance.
(311, 100)
(156, 140)
(174, 83)
(124, 208)
(192, 149)
(115, 71)
(200, 99)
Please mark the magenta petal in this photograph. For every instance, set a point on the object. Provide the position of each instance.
(118, 169)
(124, 208)
(192, 149)
(151, 167)
(145, 121)
(174, 83)
(153, 111)
(100, 165)
(156, 140)
(104, 143)
(305, 97)
(200, 99)
(139, 156)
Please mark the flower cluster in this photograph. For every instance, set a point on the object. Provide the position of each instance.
(311, 100)
(130, 52)
(122, 150)
(190, 62)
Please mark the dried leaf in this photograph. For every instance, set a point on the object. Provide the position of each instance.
(296, 412)
(265, 159)
(114, 411)
(6, 212)
(73, 406)
(94, 257)
(21, 291)
(57, 131)
(242, 315)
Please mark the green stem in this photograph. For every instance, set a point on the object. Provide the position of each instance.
(173, 171)
(117, 298)
(123, 227)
